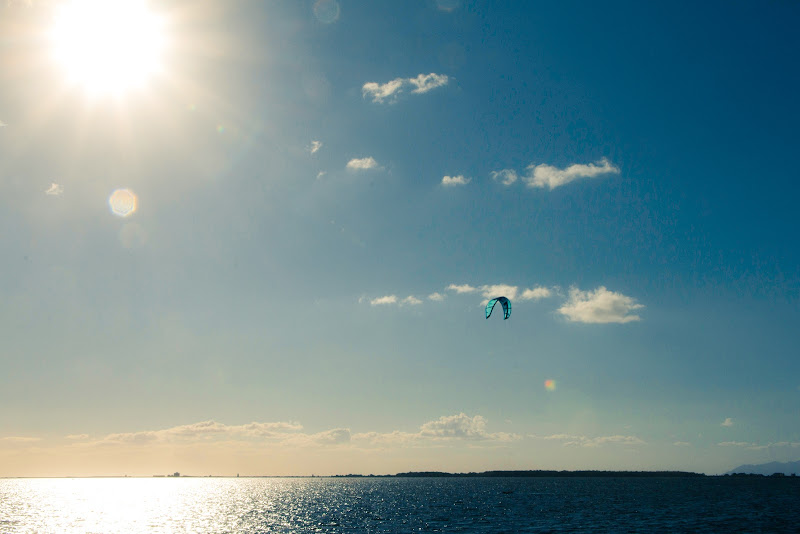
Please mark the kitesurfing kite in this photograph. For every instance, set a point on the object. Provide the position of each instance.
(506, 307)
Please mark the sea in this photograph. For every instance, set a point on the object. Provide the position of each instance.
(389, 505)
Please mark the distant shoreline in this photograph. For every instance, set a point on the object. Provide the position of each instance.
(482, 474)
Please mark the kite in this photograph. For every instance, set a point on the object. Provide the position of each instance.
(506, 307)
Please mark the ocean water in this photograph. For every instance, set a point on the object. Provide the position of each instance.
(372, 505)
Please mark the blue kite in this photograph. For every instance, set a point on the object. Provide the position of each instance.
(506, 307)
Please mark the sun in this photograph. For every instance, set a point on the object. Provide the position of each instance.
(108, 46)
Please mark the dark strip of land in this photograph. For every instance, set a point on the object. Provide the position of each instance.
(540, 473)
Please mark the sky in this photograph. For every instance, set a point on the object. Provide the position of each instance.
(257, 237)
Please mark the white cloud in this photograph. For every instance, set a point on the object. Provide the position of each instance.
(465, 288)
(498, 290)
(388, 299)
(334, 436)
(536, 293)
(570, 440)
(599, 306)
(411, 300)
(320, 174)
(315, 146)
(455, 180)
(682, 444)
(362, 164)
(737, 444)
(389, 91)
(2, 124)
(446, 428)
(77, 436)
(436, 297)
(548, 176)
(383, 92)
(727, 422)
(505, 177)
(425, 82)
(54, 189)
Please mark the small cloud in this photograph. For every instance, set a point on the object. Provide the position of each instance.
(388, 299)
(599, 306)
(548, 176)
(411, 300)
(77, 436)
(362, 164)
(570, 440)
(536, 293)
(465, 288)
(2, 124)
(388, 92)
(54, 189)
(505, 177)
(334, 436)
(737, 444)
(321, 174)
(455, 180)
(460, 426)
(381, 93)
(498, 290)
(438, 297)
(727, 422)
(425, 82)
(682, 444)
(315, 146)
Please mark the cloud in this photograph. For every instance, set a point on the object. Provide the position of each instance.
(465, 288)
(383, 92)
(445, 429)
(497, 290)
(737, 444)
(425, 82)
(452, 181)
(362, 164)
(505, 177)
(320, 174)
(203, 431)
(334, 436)
(388, 299)
(682, 444)
(536, 293)
(2, 124)
(54, 189)
(315, 146)
(451, 428)
(456, 426)
(389, 91)
(411, 300)
(436, 297)
(548, 176)
(570, 440)
(599, 306)
(77, 436)
(727, 422)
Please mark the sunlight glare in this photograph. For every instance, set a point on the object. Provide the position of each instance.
(123, 202)
(108, 46)
(550, 384)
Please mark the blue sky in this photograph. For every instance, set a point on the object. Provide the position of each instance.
(327, 193)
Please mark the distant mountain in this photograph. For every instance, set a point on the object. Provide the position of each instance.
(787, 468)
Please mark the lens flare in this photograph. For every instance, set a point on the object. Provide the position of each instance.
(122, 202)
(326, 11)
(550, 384)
